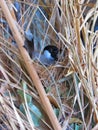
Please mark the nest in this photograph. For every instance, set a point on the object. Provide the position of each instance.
(71, 83)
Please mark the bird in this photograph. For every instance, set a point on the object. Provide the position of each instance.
(48, 56)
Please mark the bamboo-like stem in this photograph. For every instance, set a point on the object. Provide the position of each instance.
(77, 28)
(29, 66)
(11, 9)
(77, 23)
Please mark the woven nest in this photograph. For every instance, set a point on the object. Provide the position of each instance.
(71, 83)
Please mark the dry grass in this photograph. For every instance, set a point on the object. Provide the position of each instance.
(71, 84)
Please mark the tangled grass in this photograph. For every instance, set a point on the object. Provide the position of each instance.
(71, 83)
